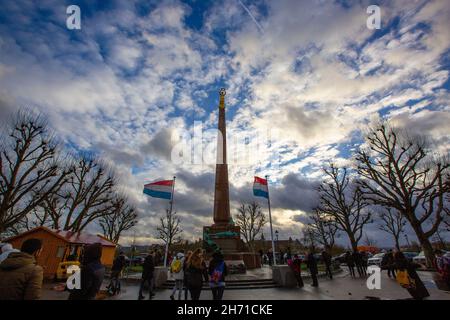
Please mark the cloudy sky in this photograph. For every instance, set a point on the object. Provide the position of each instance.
(303, 78)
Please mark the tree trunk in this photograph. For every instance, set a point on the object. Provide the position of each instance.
(353, 242)
(397, 244)
(424, 243)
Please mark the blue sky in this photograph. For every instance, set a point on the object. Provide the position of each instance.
(139, 74)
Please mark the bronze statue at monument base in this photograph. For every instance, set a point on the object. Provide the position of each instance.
(226, 238)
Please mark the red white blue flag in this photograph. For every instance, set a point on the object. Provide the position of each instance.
(260, 188)
(159, 189)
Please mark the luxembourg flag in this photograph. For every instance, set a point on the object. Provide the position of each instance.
(260, 188)
(159, 189)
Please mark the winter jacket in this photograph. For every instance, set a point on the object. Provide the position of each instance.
(296, 265)
(326, 258)
(148, 267)
(92, 276)
(195, 276)
(311, 263)
(349, 260)
(118, 264)
(20, 277)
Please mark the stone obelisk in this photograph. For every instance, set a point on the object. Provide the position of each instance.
(223, 235)
(221, 191)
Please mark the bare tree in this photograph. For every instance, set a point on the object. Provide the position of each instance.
(368, 241)
(169, 228)
(309, 240)
(398, 172)
(323, 229)
(121, 218)
(251, 220)
(342, 202)
(446, 219)
(29, 171)
(86, 196)
(394, 224)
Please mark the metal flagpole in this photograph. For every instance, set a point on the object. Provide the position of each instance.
(270, 220)
(169, 221)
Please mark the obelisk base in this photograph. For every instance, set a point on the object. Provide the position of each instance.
(226, 238)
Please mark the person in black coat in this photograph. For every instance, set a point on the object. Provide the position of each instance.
(217, 266)
(196, 272)
(147, 276)
(116, 270)
(417, 289)
(387, 263)
(92, 274)
(311, 263)
(357, 258)
(350, 262)
(327, 260)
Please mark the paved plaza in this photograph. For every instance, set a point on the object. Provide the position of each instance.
(342, 287)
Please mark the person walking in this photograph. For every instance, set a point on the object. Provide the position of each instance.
(326, 257)
(296, 266)
(311, 263)
(217, 271)
(20, 276)
(350, 262)
(358, 262)
(177, 272)
(185, 274)
(116, 271)
(364, 262)
(92, 274)
(387, 263)
(196, 273)
(261, 256)
(443, 268)
(408, 278)
(270, 256)
(147, 276)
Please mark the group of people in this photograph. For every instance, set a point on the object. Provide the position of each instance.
(359, 260)
(190, 272)
(395, 263)
(21, 277)
(311, 265)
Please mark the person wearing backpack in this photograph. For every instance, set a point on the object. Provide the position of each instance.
(176, 269)
(408, 278)
(217, 271)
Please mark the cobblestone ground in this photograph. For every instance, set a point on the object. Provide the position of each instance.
(342, 287)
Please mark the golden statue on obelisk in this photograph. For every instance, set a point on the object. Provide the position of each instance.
(221, 192)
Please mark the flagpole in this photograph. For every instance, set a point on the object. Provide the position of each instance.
(169, 219)
(270, 220)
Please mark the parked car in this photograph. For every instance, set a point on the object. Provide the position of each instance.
(410, 255)
(420, 258)
(137, 261)
(339, 259)
(376, 259)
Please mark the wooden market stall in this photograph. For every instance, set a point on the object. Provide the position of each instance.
(59, 246)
